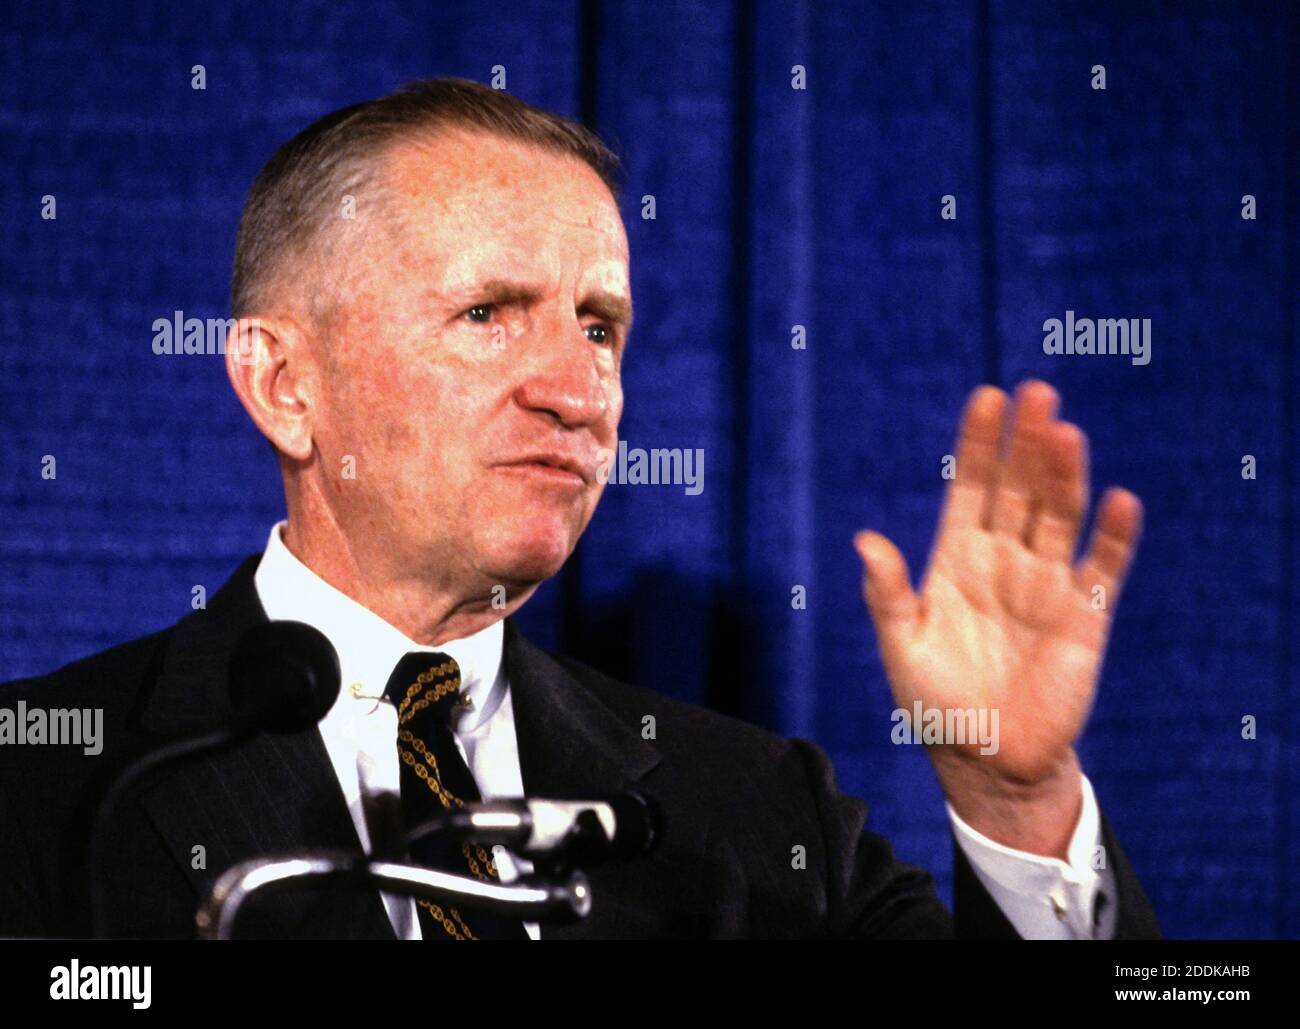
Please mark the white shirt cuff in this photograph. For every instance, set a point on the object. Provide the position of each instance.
(1047, 898)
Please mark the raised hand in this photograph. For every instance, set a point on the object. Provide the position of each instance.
(1006, 619)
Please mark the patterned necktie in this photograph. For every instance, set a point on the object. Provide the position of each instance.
(425, 688)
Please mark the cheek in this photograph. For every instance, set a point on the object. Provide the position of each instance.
(380, 420)
(398, 435)
(615, 415)
(432, 437)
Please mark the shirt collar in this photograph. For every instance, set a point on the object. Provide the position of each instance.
(368, 646)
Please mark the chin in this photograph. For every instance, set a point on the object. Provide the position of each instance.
(528, 559)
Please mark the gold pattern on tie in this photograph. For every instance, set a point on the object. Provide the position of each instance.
(453, 930)
(445, 796)
(439, 686)
(405, 712)
(433, 780)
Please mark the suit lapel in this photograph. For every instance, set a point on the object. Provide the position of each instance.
(277, 794)
(274, 794)
(572, 745)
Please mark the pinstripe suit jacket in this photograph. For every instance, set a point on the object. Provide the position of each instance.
(736, 800)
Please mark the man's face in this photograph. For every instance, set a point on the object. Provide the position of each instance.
(477, 350)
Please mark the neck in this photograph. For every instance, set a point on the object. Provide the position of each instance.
(427, 608)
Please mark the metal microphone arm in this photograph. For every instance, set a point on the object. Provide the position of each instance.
(531, 899)
(555, 834)
(490, 823)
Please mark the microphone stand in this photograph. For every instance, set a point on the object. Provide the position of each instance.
(557, 890)
(531, 899)
(584, 845)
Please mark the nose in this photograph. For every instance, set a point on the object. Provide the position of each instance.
(564, 379)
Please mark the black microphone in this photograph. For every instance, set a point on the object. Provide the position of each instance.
(576, 832)
(283, 678)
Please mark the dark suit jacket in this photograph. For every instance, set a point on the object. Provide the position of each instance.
(736, 801)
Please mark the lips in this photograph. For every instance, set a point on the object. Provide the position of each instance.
(554, 463)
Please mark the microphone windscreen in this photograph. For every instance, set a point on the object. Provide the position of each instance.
(284, 677)
(640, 823)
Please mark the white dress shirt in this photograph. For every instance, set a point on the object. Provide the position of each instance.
(360, 734)
(1044, 898)
(1047, 898)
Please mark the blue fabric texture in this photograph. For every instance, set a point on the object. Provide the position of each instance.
(775, 207)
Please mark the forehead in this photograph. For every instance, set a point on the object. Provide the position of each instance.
(465, 197)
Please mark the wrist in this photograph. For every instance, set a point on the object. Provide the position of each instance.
(1038, 817)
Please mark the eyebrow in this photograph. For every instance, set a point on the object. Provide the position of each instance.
(602, 303)
(610, 306)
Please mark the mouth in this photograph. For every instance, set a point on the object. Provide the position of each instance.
(556, 469)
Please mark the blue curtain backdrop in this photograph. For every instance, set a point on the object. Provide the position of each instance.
(776, 207)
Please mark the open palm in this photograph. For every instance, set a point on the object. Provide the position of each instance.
(1006, 620)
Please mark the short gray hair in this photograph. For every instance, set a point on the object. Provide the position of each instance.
(295, 195)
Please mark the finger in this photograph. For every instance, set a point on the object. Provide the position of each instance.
(1112, 544)
(978, 440)
(1062, 495)
(1036, 405)
(894, 606)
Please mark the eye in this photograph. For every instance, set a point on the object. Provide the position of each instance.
(602, 334)
(480, 313)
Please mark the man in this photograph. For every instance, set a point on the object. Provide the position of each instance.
(434, 305)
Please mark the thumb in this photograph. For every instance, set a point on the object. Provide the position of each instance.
(893, 605)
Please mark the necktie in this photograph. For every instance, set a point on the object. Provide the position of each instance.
(425, 688)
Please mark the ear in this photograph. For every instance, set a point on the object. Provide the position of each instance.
(270, 364)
